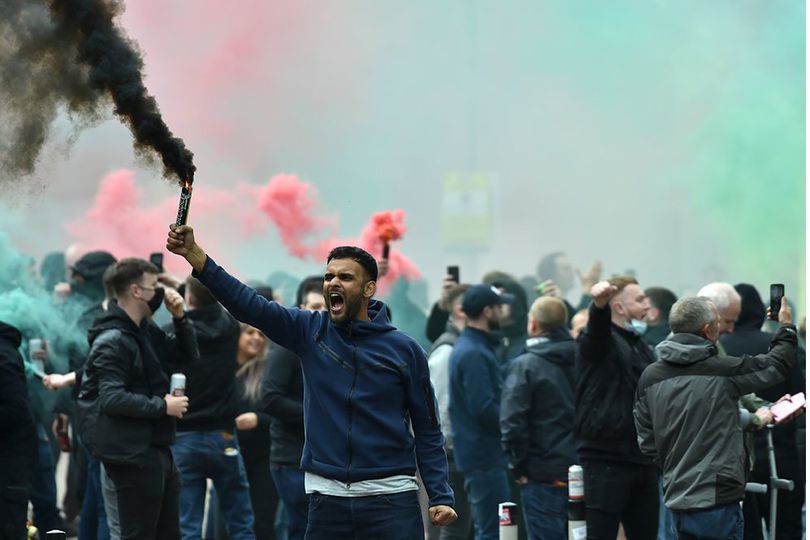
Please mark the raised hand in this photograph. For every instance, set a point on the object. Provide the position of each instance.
(602, 292)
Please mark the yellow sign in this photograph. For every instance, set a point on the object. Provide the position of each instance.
(467, 211)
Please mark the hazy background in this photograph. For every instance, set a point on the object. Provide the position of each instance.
(663, 137)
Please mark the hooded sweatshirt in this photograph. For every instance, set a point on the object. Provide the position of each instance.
(687, 417)
(366, 385)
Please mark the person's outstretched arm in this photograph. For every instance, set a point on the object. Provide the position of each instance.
(287, 327)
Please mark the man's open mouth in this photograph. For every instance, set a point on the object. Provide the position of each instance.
(336, 302)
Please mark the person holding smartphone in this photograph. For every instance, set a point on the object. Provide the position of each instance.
(687, 417)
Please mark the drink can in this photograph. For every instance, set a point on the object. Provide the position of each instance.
(576, 483)
(178, 384)
(508, 519)
(34, 346)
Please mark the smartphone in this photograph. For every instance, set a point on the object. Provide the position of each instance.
(784, 409)
(777, 292)
(453, 271)
(157, 259)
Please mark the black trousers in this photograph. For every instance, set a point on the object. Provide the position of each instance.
(621, 492)
(13, 504)
(148, 497)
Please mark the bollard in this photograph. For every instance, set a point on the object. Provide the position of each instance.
(508, 517)
(55, 535)
(576, 503)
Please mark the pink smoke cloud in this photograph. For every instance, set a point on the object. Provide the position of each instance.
(120, 223)
(292, 206)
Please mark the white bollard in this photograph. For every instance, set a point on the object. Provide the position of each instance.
(508, 517)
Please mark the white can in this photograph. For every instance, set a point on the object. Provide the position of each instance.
(36, 345)
(177, 386)
(576, 484)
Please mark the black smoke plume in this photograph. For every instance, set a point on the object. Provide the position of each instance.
(70, 55)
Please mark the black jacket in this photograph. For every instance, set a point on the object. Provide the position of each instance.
(609, 362)
(122, 410)
(19, 436)
(749, 339)
(537, 409)
(283, 400)
(210, 380)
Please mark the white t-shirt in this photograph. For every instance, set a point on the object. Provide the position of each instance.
(363, 488)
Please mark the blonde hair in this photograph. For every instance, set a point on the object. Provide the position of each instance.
(252, 371)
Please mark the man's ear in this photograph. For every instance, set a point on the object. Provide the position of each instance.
(370, 289)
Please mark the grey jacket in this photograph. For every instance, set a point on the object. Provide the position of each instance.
(687, 416)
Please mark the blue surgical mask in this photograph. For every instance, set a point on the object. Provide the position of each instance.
(636, 326)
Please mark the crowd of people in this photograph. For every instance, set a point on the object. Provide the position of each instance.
(319, 418)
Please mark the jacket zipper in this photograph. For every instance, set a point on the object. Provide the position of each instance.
(351, 412)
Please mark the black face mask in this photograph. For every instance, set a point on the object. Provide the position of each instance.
(157, 299)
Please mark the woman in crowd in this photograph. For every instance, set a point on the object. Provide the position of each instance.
(253, 428)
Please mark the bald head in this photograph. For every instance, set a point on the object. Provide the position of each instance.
(546, 313)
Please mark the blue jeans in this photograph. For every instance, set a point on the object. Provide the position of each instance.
(485, 491)
(666, 525)
(290, 486)
(200, 455)
(93, 522)
(720, 522)
(545, 508)
(391, 517)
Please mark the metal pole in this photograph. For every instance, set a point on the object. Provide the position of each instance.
(774, 491)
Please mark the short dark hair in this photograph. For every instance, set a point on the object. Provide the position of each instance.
(128, 271)
(265, 291)
(308, 285)
(202, 296)
(663, 299)
(360, 256)
(106, 280)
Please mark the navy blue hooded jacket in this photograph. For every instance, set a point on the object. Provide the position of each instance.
(475, 401)
(365, 385)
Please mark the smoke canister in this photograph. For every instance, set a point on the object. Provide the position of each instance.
(178, 385)
(508, 518)
(185, 204)
(576, 503)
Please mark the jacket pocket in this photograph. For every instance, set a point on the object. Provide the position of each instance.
(728, 489)
(122, 440)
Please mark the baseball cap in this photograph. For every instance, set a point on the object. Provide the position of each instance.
(480, 296)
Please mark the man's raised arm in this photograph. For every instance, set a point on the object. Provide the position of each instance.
(284, 326)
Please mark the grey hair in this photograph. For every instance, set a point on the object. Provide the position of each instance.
(721, 294)
(690, 314)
